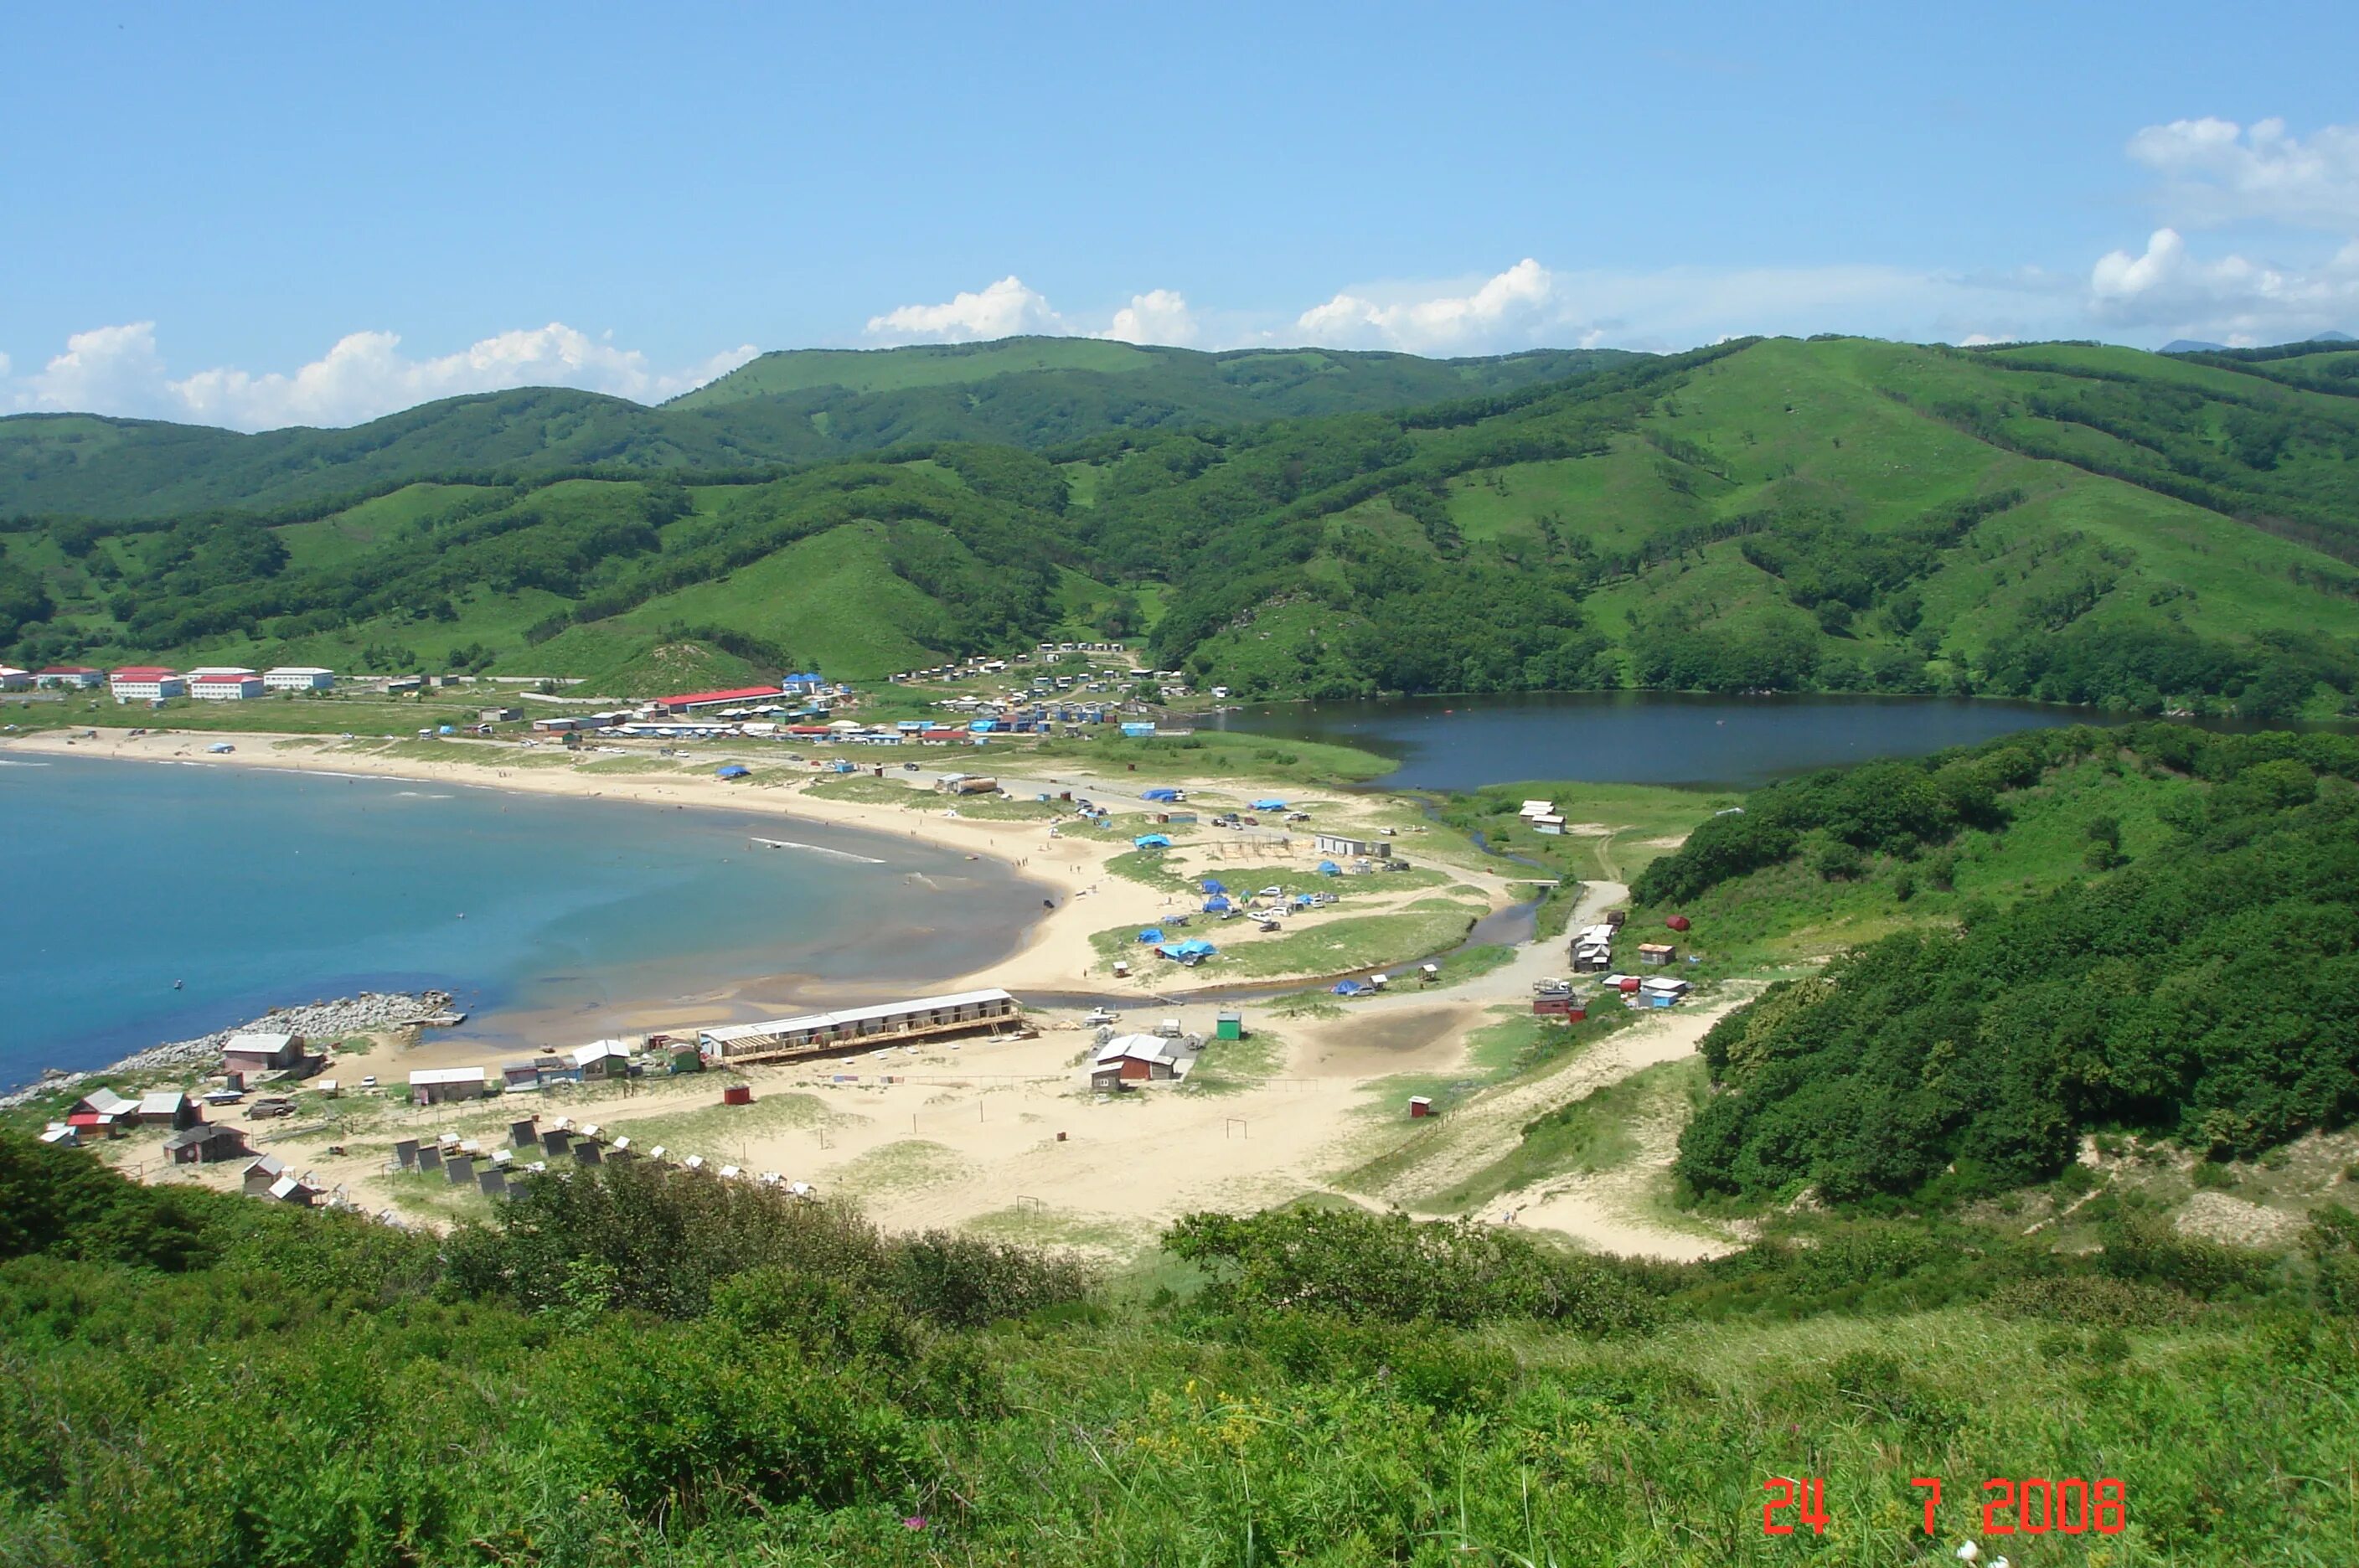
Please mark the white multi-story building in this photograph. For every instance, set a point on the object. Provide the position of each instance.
(73, 677)
(297, 678)
(15, 679)
(222, 686)
(146, 683)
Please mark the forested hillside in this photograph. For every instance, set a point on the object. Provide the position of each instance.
(2142, 931)
(2063, 521)
(800, 406)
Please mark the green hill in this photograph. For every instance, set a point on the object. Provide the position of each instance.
(2069, 522)
(800, 406)
(2064, 521)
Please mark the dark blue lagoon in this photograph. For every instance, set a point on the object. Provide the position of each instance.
(258, 889)
(1643, 738)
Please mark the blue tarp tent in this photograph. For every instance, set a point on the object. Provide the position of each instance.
(1192, 952)
(1213, 884)
(1348, 987)
(1159, 794)
(1152, 933)
(1329, 869)
(1269, 805)
(732, 770)
(1151, 840)
(1304, 901)
(1218, 903)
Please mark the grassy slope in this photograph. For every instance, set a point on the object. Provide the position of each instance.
(899, 369)
(783, 408)
(1861, 437)
(1848, 428)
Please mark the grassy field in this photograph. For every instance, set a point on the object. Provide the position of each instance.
(1593, 1134)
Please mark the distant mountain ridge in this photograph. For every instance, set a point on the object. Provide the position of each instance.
(796, 406)
(2193, 345)
(2066, 521)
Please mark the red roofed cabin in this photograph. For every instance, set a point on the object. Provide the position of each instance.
(690, 701)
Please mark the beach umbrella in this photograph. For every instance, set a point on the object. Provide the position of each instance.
(1677, 923)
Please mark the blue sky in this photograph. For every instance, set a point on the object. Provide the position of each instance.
(260, 215)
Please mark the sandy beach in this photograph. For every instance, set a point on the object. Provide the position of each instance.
(1005, 1136)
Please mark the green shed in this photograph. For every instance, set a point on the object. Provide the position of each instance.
(1229, 1026)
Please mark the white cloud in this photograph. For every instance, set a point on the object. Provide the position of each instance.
(2231, 299)
(105, 370)
(1510, 307)
(2216, 171)
(120, 370)
(1157, 316)
(1004, 310)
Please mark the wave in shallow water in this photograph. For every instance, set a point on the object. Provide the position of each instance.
(817, 849)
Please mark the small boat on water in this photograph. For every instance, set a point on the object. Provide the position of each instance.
(450, 1017)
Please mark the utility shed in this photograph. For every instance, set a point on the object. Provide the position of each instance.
(1134, 1059)
(167, 1107)
(434, 1085)
(203, 1144)
(602, 1059)
(265, 1173)
(262, 1052)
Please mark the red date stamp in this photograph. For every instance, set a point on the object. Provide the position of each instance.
(2033, 1505)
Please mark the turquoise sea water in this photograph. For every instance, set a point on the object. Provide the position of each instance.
(256, 890)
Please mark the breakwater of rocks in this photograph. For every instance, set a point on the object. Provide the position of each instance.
(318, 1021)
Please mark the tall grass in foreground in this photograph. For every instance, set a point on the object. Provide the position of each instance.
(679, 1371)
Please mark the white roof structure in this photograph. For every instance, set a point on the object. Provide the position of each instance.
(265, 1044)
(204, 669)
(1665, 984)
(268, 1164)
(1537, 809)
(297, 670)
(162, 1103)
(1137, 1048)
(429, 1075)
(107, 1103)
(599, 1050)
(850, 1016)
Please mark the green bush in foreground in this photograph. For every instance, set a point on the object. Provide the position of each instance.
(303, 1389)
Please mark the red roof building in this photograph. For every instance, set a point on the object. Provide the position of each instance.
(691, 702)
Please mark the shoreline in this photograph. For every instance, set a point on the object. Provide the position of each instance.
(1050, 953)
(366, 1013)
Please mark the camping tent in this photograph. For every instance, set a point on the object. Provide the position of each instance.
(1151, 840)
(1213, 884)
(1191, 952)
(1347, 988)
(732, 770)
(1218, 903)
(1269, 805)
(1329, 869)
(1159, 794)
(1152, 933)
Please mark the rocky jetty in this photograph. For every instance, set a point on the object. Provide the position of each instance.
(319, 1022)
